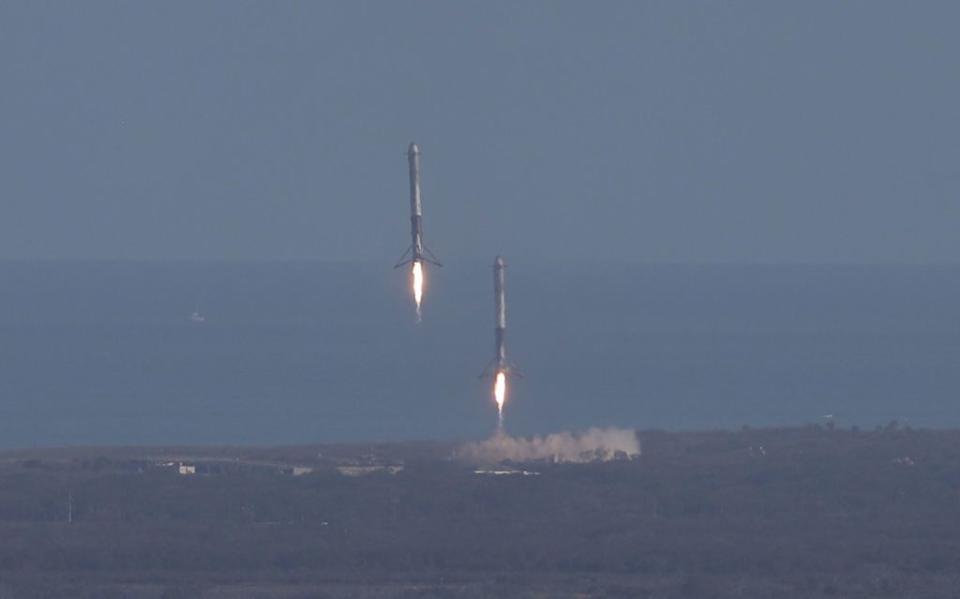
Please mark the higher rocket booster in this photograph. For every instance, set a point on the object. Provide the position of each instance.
(417, 251)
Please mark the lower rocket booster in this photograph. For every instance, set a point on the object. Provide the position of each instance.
(499, 363)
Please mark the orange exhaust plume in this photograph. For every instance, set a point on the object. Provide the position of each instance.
(417, 272)
(500, 393)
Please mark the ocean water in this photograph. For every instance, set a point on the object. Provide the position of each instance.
(105, 353)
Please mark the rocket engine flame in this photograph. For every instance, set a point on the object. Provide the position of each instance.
(500, 393)
(417, 272)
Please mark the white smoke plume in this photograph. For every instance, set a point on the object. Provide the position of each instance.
(592, 445)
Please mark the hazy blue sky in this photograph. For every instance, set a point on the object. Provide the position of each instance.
(638, 131)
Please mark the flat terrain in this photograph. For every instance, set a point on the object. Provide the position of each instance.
(803, 512)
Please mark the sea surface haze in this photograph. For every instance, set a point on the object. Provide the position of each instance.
(297, 352)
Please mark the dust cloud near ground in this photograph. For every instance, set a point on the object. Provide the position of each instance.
(591, 445)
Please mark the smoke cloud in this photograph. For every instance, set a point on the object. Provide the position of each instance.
(592, 445)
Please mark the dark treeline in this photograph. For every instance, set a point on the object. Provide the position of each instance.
(767, 513)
